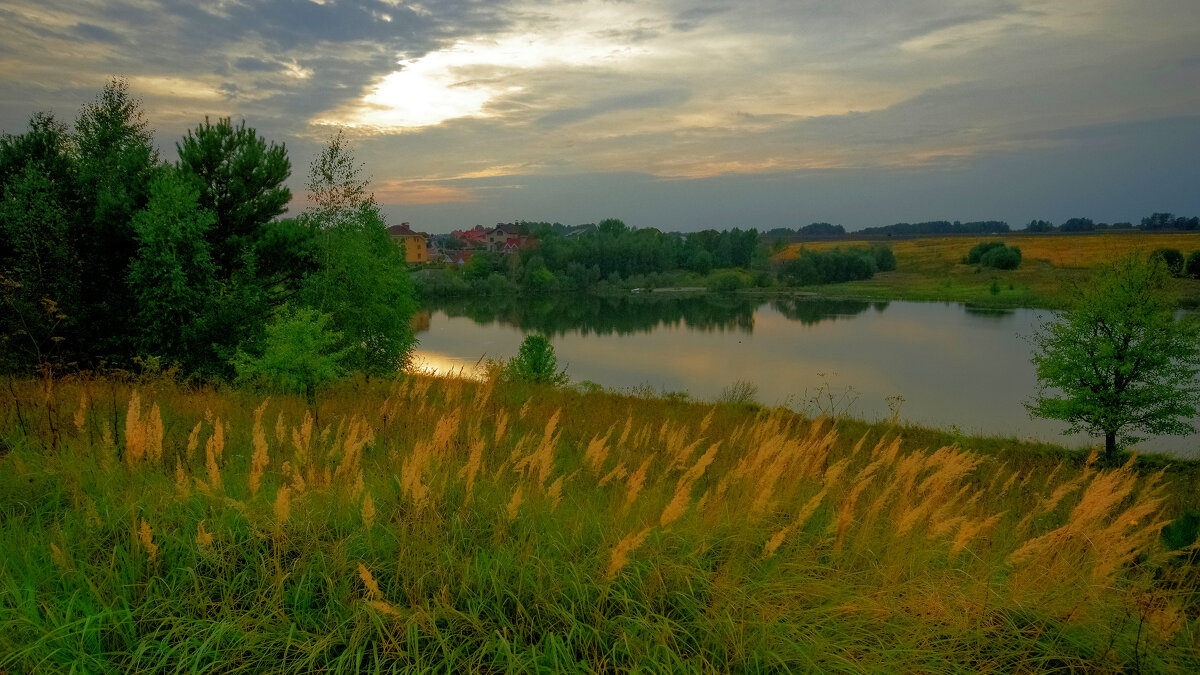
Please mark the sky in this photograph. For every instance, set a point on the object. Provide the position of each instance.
(664, 113)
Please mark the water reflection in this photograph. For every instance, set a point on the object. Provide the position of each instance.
(811, 311)
(627, 315)
(953, 366)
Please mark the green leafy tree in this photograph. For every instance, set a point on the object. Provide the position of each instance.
(535, 362)
(361, 280)
(173, 274)
(117, 160)
(301, 353)
(39, 263)
(241, 181)
(1118, 363)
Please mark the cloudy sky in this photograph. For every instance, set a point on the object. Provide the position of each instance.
(666, 113)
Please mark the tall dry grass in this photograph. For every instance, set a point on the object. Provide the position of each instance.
(435, 524)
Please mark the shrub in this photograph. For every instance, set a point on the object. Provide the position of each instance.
(741, 392)
(1172, 258)
(885, 260)
(535, 362)
(726, 281)
(1003, 258)
(976, 253)
(300, 354)
(1192, 267)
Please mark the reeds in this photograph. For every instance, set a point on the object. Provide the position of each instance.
(490, 526)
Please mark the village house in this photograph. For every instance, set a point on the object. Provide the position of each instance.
(474, 237)
(500, 235)
(415, 249)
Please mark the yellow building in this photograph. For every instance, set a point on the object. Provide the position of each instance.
(415, 249)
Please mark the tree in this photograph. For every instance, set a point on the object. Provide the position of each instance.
(300, 354)
(38, 259)
(117, 160)
(361, 280)
(173, 275)
(240, 180)
(535, 362)
(1118, 363)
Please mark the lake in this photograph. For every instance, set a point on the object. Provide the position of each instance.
(939, 364)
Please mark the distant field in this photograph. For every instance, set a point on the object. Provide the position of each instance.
(1082, 250)
(930, 268)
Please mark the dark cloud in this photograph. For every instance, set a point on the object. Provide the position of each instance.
(88, 31)
(254, 65)
(690, 19)
(660, 98)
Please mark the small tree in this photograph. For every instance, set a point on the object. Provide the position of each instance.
(1118, 362)
(300, 354)
(535, 362)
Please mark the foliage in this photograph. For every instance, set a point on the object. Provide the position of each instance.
(362, 281)
(1118, 363)
(937, 227)
(241, 182)
(1171, 258)
(535, 363)
(833, 266)
(108, 254)
(726, 281)
(977, 251)
(1039, 226)
(994, 254)
(301, 353)
(1002, 258)
(1168, 221)
(116, 162)
(1077, 225)
(1191, 268)
(173, 274)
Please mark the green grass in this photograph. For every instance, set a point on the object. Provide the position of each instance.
(931, 268)
(472, 579)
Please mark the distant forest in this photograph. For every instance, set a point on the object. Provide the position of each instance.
(1156, 222)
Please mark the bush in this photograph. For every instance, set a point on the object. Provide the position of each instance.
(535, 362)
(1172, 258)
(726, 281)
(300, 354)
(1003, 258)
(976, 253)
(885, 260)
(1192, 267)
(741, 392)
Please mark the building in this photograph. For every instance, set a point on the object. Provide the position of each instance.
(414, 243)
(498, 236)
(477, 237)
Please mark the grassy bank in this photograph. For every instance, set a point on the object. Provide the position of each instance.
(453, 526)
(931, 268)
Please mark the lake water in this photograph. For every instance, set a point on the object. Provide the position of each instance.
(941, 364)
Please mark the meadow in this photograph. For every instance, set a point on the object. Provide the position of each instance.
(931, 268)
(444, 525)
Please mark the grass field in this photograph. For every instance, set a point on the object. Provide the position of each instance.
(931, 268)
(436, 525)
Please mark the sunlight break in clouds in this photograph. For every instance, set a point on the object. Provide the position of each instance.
(462, 79)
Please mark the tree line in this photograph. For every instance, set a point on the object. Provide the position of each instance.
(110, 256)
(611, 254)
